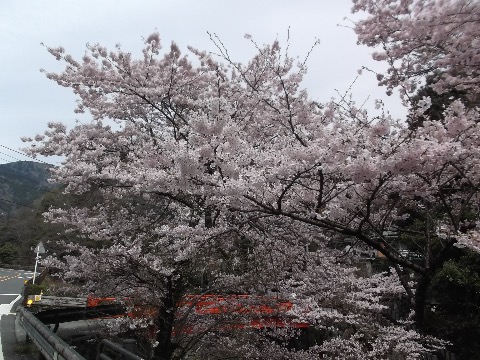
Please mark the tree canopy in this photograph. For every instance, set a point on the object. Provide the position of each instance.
(220, 176)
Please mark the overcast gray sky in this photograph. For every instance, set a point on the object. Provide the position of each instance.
(28, 101)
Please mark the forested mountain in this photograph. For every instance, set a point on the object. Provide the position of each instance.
(21, 183)
(23, 187)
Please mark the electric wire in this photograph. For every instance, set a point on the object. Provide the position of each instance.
(23, 154)
(13, 157)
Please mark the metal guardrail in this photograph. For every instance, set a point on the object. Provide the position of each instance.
(54, 348)
(120, 352)
(49, 344)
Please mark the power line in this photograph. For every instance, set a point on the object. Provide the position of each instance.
(23, 154)
(13, 157)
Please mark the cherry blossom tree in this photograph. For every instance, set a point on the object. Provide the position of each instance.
(228, 168)
(217, 176)
(434, 43)
(418, 38)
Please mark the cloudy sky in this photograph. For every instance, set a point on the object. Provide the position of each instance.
(28, 101)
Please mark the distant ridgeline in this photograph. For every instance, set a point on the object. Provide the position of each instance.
(21, 183)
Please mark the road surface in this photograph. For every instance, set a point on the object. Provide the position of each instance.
(11, 285)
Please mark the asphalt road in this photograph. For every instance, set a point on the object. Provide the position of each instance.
(11, 285)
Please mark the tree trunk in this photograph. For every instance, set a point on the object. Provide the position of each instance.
(165, 319)
(421, 299)
(424, 283)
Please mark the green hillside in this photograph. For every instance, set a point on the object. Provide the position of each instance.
(23, 186)
(21, 183)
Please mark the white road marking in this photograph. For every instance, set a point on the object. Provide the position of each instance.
(5, 308)
(5, 278)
